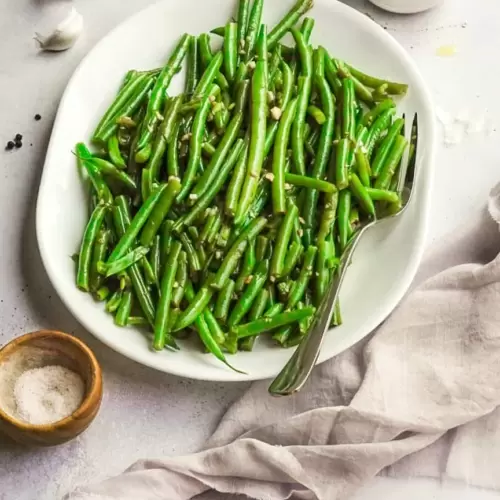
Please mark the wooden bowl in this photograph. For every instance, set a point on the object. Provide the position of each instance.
(42, 348)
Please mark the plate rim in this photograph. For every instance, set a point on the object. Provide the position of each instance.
(229, 376)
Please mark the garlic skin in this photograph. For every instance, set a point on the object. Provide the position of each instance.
(64, 35)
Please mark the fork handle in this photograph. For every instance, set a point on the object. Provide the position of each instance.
(298, 368)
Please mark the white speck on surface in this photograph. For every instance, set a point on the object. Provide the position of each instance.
(457, 128)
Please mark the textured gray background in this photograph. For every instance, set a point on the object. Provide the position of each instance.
(146, 413)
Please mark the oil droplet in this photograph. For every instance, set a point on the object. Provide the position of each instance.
(446, 50)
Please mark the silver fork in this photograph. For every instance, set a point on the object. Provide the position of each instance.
(298, 368)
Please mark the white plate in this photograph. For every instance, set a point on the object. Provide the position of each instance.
(387, 258)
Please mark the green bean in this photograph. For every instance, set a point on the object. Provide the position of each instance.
(249, 262)
(376, 111)
(109, 169)
(316, 113)
(212, 172)
(382, 195)
(359, 191)
(191, 254)
(124, 95)
(267, 324)
(192, 66)
(129, 109)
(322, 270)
(155, 257)
(254, 24)
(377, 129)
(261, 247)
(362, 92)
(331, 75)
(122, 221)
(310, 182)
(343, 149)
(216, 184)
(142, 155)
(236, 183)
(195, 308)
(161, 336)
(307, 28)
(288, 21)
(224, 300)
(242, 91)
(163, 135)
(328, 215)
(279, 157)
(274, 65)
(114, 152)
(123, 263)
(258, 307)
(299, 287)
(392, 161)
(137, 321)
(157, 94)
(242, 26)
(98, 255)
(292, 258)
(258, 127)
(172, 157)
(88, 243)
(348, 109)
(113, 302)
(353, 219)
(232, 258)
(214, 230)
(100, 186)
(304, 91)
(230, 50)
(282, 240)
(250, 293)
(181, 278)
(124, 309)
(386, 145)
(196, 141)
(206, 80)
(363, 167)
(165, 240)
(321, 159)
(344, 209)
(136, 225)
(102, 293)
(373, 82)
(206, 55)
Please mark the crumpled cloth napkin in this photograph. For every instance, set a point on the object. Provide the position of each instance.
(418, 397)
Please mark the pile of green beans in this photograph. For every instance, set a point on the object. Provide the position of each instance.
(224, 210)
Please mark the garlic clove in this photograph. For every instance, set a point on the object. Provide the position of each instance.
(64, 35)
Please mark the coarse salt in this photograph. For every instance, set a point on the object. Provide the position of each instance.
(48, 394)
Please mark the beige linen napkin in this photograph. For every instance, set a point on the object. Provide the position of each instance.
(433, 366)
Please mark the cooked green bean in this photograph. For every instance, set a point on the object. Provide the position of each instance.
(98, 255)
(267, 323)
(230, 50)
(344, 210)
(386, 145)
(299, 287)
(114, 152)
(254, 24)
(279, 157)
(249, 294)
(359, 191)
(374, 83)
(392, 161)
(88, 243)
(157, 94)
(249, 262)
(161, 336)
(282, 240)
(224, 299)
(258, 127)
(310, 182)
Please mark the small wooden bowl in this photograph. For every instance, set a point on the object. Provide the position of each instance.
(42, 348)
